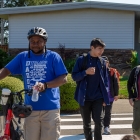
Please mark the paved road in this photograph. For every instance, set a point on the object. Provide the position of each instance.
(72, 129)
(71, 126)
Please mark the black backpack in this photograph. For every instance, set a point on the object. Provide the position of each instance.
(135, 75)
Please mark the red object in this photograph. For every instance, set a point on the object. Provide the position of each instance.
(7, 124)
(114, 71)
(5, 138)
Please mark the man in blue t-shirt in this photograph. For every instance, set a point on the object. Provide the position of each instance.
(46, 68)
(91, 92)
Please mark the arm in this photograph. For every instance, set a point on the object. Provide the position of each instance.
(60, 74)
(105, 73)
(130, 86)
(130, 83)
(131, 102)
(59, 81)
(3, 73)
(115, 85)
(14, 67)
(77, 74)
(106, 78)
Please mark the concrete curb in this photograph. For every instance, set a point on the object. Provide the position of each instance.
(122, 106)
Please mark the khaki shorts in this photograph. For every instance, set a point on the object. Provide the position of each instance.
(136, 118)
(42, 125)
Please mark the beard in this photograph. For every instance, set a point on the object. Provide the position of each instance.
(39, 52)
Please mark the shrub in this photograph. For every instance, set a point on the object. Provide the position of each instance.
(134, 59)
(12, 83)
(67, 100)
(4, 58)
(69, 63)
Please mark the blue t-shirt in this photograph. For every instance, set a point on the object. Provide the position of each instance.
(41, 68)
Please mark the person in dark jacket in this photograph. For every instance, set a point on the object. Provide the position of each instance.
(133, 87)
(91, 92)
(113, 92)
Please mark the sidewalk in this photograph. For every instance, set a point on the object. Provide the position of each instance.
(122, 106)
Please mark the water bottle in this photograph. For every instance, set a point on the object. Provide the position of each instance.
(35, 95)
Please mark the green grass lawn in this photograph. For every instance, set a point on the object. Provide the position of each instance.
(123, 94)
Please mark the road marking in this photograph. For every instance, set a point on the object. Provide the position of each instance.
(117, 126)
(81, 137)
(79, 115)
(80, 119)
(73, 118)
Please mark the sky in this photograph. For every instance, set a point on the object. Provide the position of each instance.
(120, 1)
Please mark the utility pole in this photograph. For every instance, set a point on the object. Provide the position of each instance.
(2, 24)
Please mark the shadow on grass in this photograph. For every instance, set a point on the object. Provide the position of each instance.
(125, 78)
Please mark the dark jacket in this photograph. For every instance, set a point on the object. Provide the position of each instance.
(79, 76)
(114, 84)
(131, 86)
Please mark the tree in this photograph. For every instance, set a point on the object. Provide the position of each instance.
(3, 32)
(19, 3)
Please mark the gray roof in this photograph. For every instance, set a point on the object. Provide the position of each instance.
(4, 12)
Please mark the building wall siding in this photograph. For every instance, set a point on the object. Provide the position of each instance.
(76, 28)
(137, 37)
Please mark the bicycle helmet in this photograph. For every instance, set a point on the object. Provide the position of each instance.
(37, 31)
(21, 111)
